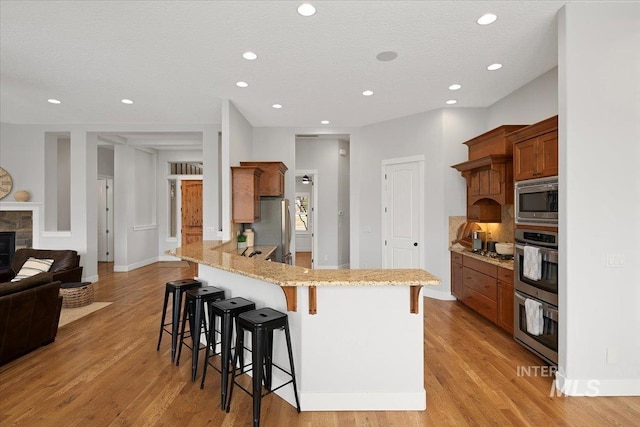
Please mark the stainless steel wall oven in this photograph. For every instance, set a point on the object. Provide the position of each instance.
(541, 289)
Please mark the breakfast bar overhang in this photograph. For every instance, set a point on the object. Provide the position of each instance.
(357, 335)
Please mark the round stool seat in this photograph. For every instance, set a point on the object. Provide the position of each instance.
(76, 294)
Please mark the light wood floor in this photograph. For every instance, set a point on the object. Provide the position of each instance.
(103, 370)
(303, 259)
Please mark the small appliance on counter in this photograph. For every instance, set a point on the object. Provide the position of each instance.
(478, 239)
(491, 246)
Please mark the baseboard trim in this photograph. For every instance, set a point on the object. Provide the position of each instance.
(401, 401)
(594, 387)
(135, 265)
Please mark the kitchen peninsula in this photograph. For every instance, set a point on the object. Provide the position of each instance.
(357, 334)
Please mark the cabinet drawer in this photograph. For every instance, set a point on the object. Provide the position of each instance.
(481, 304)
(456, 257)
(481, 283)
(481, 266)
(505, 275)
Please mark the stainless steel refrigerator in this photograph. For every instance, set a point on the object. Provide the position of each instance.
(274, 228)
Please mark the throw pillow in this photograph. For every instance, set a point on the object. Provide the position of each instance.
(32, 267)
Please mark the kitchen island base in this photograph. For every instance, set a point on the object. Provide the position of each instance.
(363, 350)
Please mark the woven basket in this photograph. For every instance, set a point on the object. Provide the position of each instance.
(77, 297)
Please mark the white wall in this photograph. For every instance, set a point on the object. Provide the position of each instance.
(344, 216)
(599, 134)
(143, 184)
(533, 102)
(321, 154)
(237, 140)
(458, 125)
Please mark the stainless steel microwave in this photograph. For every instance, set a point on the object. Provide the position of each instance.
(536, 201)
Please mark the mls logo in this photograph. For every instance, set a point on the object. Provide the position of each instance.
(572, 387)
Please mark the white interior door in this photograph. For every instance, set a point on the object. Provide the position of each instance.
(105, 220)
(403, 215)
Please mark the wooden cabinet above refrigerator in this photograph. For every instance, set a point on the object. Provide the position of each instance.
(245, 194)
(272, 178)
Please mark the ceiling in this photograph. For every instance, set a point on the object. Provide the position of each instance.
(178, 59)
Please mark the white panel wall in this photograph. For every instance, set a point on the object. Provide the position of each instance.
(600, 198)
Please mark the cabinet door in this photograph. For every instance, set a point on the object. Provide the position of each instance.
(456, 280)
(548, 155)
(505, 306)
(525, 159)
(474, 184)
(245, 187)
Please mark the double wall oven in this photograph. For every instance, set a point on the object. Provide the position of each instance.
(543, 290)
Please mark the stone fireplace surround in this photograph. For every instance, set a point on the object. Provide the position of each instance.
(23, 218)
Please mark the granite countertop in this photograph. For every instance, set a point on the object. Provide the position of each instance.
(223, 255)
(504, 264)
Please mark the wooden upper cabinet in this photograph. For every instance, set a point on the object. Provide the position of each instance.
(489, 174)
(272, 179)
(245, 193)
(535, 150)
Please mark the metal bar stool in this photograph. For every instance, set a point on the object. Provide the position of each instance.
(261, 323)
(228, 311)
(177, 288)
(194, 306)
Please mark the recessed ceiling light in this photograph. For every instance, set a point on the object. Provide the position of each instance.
(387, 55)
(325, 122)
(54, 101)
(452, 101)
(242, 84)
(494, 67)
(277, 106)
(249, 55)
(306, 9)
(487, 18)
(367, 93)
(127, 101)
(455, 87)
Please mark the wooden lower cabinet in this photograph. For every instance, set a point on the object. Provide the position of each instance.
(485, 288)
(456, 275)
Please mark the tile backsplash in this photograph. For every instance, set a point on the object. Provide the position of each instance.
(500, 232)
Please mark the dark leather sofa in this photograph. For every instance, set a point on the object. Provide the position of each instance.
(65, 268)
(29, 315)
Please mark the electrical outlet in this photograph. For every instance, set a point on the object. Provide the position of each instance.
(615, 260)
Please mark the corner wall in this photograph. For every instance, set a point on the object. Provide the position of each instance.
(599, 134)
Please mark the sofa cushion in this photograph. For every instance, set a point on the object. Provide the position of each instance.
(28, 283)
(32, 267)
(63, 259)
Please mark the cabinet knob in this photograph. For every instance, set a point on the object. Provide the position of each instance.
(415, 243)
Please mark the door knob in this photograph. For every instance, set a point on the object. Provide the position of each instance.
(415, 244)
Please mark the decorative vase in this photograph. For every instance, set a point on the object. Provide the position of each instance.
(21, 196)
